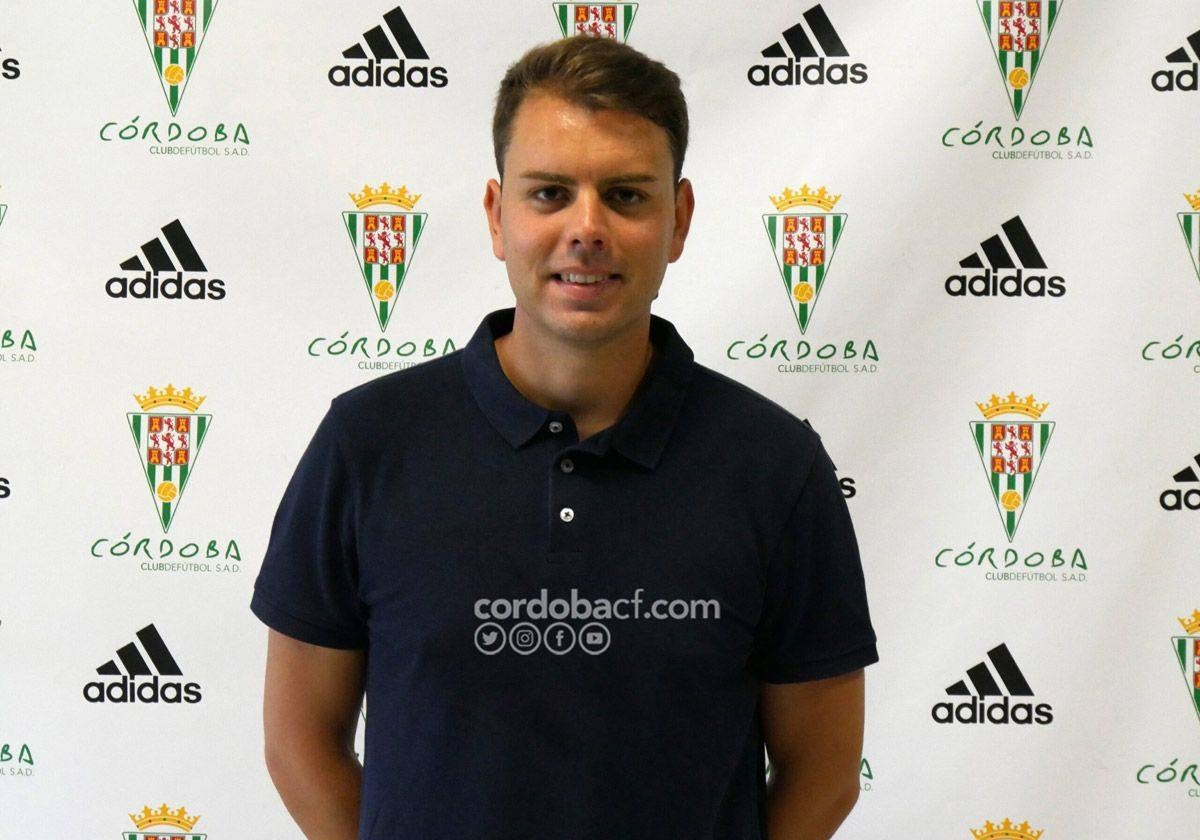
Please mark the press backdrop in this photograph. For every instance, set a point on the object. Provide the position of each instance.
(946, 233)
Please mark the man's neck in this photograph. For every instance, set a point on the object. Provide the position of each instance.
(592, 383)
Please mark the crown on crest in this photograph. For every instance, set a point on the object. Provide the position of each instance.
(1006, 831)
(178, 817)
(1191, 626)
(1012, 404)
(1193, 200)
(790, 198)
(386, 194)
(155, 398)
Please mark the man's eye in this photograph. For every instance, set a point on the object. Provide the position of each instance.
(625, 196)
(551, 193)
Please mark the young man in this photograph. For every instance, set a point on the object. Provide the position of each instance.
(582, 578)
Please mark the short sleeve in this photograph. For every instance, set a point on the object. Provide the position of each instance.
(308, 585)
(815, 622)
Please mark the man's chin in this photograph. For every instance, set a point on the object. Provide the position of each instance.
(590, 327)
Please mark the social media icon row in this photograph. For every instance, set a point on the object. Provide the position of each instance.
(558, 638)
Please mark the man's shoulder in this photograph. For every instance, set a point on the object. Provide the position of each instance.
(391, 395)
(724, 401)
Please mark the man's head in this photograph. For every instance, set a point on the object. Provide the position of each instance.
(595, 74)
(590, 137)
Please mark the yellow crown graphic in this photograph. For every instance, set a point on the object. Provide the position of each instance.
(1012, 405)
(790, 198)
(386, 194)
(178, 818)
(1006, 831)
(1193, 200)
(1191, 626)
(155, 398)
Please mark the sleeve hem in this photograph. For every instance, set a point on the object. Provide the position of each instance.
(303, 629)
(856, 659)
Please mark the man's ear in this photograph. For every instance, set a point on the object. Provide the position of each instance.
(685, 205)
(491, 207)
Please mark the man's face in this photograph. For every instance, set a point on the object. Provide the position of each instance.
(588, 218)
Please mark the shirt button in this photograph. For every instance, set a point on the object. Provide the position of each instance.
(556, 426)
(567, 465)
(566, 514)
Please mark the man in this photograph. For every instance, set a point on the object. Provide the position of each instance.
(582, 578)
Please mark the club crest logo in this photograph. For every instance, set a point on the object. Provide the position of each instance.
(174, 31)
(603, 20)
(804, 244)
(1187, 651)
(1188, 222)
(384, 243)
(1019, 33)
(1011, 451)
(1006, 830)
(168, 443)
(170, 818)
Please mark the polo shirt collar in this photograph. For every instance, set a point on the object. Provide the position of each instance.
(642, 432)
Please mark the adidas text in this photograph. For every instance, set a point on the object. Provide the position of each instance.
(993, 284)
(378, 74)
(170, 287)
(819, 73)
(1002, 712)
(1178, 500)
(1166, 80)
(129, 690)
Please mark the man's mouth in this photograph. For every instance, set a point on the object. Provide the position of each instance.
(583, 279)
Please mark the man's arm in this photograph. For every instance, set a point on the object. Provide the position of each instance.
(813, 732)
(310, 709)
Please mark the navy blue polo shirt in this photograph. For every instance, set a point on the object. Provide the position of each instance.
(565, 638)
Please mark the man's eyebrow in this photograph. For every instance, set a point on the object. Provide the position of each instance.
(566, 180)
(538, 175)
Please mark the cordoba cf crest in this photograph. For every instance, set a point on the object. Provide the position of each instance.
(169, 818)
(1019, 32)
(803, 242)
(1006, 829)
(168, 441)
(1187, 651)
(384, 243)
(174, 31)
(601, 20)
(1012, 451)
(1189, 222)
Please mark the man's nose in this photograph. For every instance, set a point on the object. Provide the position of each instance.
(589, 222)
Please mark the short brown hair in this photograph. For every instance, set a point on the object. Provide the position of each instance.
(597, 74)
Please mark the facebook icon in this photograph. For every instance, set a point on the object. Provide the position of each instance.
(559, 637)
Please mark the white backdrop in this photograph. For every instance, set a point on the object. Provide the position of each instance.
(265, 216)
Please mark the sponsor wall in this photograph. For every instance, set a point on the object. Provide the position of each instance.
(959, 239)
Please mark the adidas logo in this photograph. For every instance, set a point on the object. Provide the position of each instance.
(163, 274)
(1169, 79)
(10, 68)
(1178, 499)
(979, 708)
(128, 689)
(384, 67)
(799, 67)
(994, 282)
